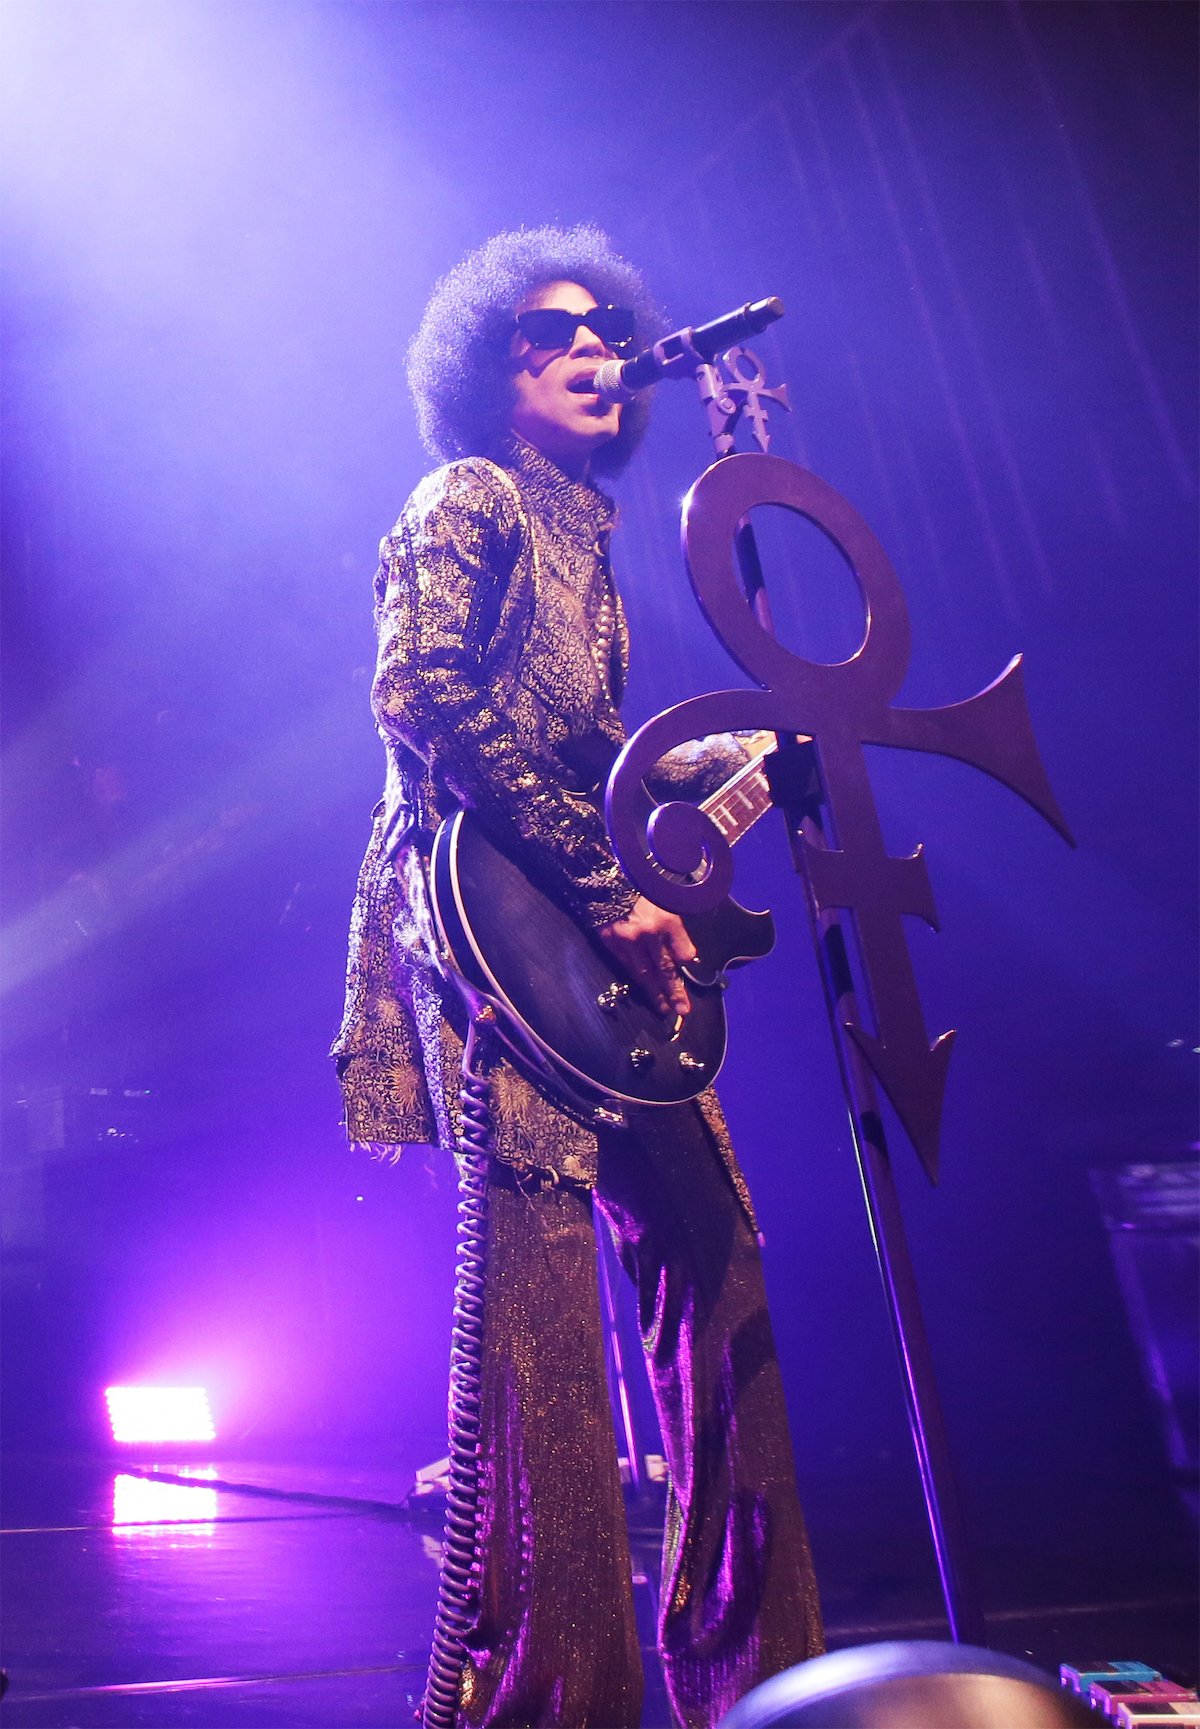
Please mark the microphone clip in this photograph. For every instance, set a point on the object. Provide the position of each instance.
(676, 356)
(685, 352)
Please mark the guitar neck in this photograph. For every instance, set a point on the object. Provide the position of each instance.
(737, 806)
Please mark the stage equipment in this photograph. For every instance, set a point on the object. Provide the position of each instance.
(909, 1686)
(1130, 1694)
(635, 1454)
(1152, 1213)
(1137, 1702)
(1080, 1680)
(824, 715)
(159, 1414)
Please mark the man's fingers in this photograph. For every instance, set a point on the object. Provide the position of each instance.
(678, 950)
(652, 946)
(672, 992)
(651, 971)
(652, 968)
(679, 944)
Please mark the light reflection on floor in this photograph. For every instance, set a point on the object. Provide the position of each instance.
(223, 1593)
(140, 1504)
(219, 1594)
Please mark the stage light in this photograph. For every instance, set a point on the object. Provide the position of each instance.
(147, 1501)
(159, 1414)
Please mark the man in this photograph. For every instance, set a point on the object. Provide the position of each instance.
(502, 657)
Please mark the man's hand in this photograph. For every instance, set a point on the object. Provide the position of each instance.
(651, 946)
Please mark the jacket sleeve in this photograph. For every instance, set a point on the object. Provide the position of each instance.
(448, 590)
(695, 770)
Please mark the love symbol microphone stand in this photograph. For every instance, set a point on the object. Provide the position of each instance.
(823, 716)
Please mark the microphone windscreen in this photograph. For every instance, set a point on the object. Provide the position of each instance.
(609, 383)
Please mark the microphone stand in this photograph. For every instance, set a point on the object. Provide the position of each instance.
(797, 787)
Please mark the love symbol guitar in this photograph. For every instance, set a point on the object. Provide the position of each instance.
(565, 1005)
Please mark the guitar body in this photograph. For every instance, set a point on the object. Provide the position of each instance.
(566, 1004)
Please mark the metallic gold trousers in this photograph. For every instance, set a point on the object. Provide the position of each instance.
(555, 1642)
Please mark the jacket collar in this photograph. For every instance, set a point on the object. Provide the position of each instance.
(574, 505)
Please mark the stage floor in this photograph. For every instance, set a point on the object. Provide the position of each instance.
(225, 1593)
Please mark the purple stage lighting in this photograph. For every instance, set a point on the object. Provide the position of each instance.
(160, 1414)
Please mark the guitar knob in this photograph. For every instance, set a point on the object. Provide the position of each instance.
(688, 1061)
(611, 996)
(640, 1057)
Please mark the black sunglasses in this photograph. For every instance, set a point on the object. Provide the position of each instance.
(554, 327)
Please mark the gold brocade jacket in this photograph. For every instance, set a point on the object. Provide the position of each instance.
(503, 654)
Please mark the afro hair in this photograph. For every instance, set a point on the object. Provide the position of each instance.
(458, 368)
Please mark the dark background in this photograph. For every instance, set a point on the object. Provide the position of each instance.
(223, 222)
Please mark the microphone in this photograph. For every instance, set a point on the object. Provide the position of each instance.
(678, 355)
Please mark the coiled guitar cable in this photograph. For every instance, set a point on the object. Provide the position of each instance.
(458, 1586)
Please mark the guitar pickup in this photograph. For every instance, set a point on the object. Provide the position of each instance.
(611, 996)
(688, 1061)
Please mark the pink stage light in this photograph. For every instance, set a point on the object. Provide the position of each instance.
(159, 1414)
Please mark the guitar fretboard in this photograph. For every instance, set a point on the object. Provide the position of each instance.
(737, 806)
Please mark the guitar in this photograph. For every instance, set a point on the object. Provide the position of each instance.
(564, 1005)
